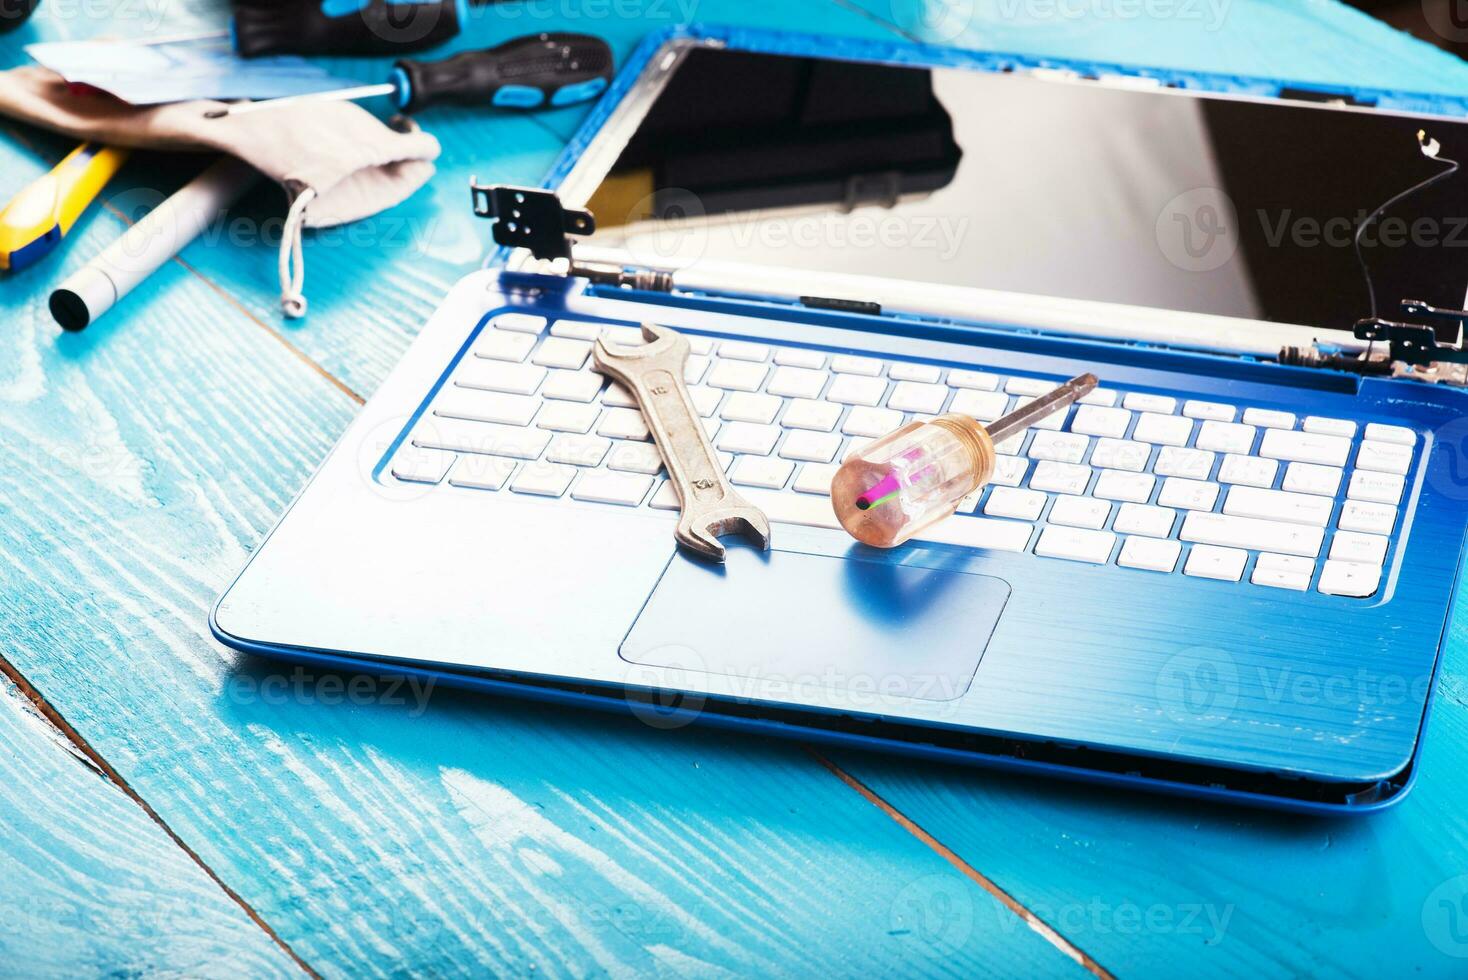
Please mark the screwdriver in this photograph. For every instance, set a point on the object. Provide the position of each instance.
(524, 73)
(916, 476)
(345, 27)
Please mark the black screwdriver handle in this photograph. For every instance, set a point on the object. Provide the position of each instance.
(531, 72)
(342, 27)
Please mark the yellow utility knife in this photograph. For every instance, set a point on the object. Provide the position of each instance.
(37, 218)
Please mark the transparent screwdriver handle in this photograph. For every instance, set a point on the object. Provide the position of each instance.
(914, 477)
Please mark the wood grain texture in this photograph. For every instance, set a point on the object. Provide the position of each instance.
(375, 828)
(91, 886)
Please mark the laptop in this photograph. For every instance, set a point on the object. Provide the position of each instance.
(1225, 574)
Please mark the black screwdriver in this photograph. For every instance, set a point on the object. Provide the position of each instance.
(530, 72)
(346, 27)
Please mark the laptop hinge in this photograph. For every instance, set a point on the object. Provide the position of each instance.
(534, 219)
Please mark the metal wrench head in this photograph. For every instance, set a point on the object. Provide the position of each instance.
(661, 342)
(700, 530)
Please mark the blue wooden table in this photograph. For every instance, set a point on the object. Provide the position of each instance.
(172, 806)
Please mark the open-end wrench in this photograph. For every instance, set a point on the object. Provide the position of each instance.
(653, 374)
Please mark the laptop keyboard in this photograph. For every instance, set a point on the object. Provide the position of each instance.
(1141, 480)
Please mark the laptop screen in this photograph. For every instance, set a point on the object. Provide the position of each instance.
(1010, 182)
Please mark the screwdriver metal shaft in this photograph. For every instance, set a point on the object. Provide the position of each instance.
(1021, 419)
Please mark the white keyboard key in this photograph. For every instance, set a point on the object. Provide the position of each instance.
(499, 345)
(907, 371)
(695, 368)
(482, 472)
(1029, 386)
(561, 352)
(635, 457)
(1138, 402)
(421, 465)
(1268, 418)
(986, 406)
(1013, 502)
(1065, 447)
(700, 344)
(1079, 512)
(666, 498)
(520, 322)
(1094, 420)
(1154, 522)
(864, 421)
(851, 364)
(1055, 420)
(816, 478)
(1187, 494)
(1252, 533)
(1195, 464)
(811, 447)
(976, 380)
(580, 450)
(743, 350)
(1225, 437)
(1305, 447)
(1310, 478)
(485, 406)
(622, 423)
(1251, 471)
(576, 329)
(1122, 485)
(604, 487)
(803, 413)
(913, 396)
(1329, 427)
(1384, 457)
(1104, 397)
(1283, 572)
(1213, 411)
(574, 386)
(1348, 578)
(738, 375)
(1369, 549)
(1209, 561)
(1121, 454)
(457, 435)
(1398, 435)
(745, 406)
(1380, 488)
(1075, 544)
(1009, 471)
(632, 337)
(805, 509)
(761, 471)
(617, 396)
(705, 399)
(567, 417)
(1011, 446)
(1278, 505)
(1060, 477)
(543, 479)
(1166, 430)
(855, 389)
(799, 357)
(513, 379)
(794, 382)
(1150, 554)
(748, 437)
(1362, 515)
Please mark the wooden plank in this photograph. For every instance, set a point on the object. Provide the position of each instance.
(91, 886)
(372, 285)
(375, 826)
(1325, 43)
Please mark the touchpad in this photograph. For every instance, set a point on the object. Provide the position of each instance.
(783, 619)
